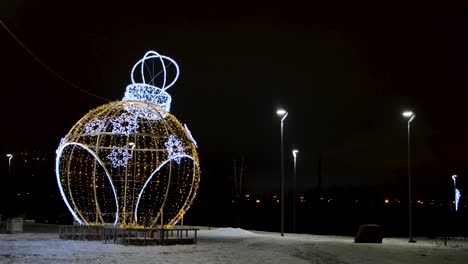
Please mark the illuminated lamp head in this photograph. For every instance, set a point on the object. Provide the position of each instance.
(153, 81)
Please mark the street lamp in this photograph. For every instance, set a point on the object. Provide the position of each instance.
(9, 156)
(283, 114)
(456, 192)
(294, 152)
(410, 115)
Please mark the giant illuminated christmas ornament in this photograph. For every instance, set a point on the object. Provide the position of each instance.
(131, 163)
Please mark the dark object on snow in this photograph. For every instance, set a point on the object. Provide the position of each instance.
(369, 234)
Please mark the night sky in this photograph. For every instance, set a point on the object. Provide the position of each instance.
(344, 70)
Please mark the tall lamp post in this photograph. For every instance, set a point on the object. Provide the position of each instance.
(456, 192)
(282, 114)
(294, 152)
(410, 115)
(9, 156)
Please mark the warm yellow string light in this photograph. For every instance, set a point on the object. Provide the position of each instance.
(87, 176)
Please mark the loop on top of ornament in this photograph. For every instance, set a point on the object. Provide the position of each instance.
(153, 81)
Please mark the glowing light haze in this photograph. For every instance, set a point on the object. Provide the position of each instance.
(407, 114)
(281, 112)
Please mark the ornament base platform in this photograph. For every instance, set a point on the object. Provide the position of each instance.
(129, 236)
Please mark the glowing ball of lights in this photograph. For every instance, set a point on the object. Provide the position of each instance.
(131, 163)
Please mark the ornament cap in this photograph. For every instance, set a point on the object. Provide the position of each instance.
(150, 94)
(153, 81)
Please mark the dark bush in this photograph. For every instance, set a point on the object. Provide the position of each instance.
(369, 233)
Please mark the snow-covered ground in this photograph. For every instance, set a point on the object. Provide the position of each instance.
(229, 245)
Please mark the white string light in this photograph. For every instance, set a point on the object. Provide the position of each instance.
(174, 148)
(62, 141)
(143, 111)
(57, 170)
(95, 126)
(124, 124)
(190, 135)
(119, 156)
(150, 90)
(141, 119)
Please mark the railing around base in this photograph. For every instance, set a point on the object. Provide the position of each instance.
(130, 236)
(81, 232)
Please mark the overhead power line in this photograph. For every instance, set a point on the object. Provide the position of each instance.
(50, 69)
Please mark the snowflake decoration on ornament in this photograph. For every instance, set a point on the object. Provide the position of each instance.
(62, 141)
(95, 126)
(124, 124)
(119, 157)
(143, 111)
(174, 147)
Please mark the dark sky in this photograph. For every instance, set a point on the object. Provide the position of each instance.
(344, 70)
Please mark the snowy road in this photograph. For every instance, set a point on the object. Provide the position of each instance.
(227, 245)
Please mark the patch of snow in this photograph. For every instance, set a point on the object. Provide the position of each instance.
(227, 232)
(232, 245)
